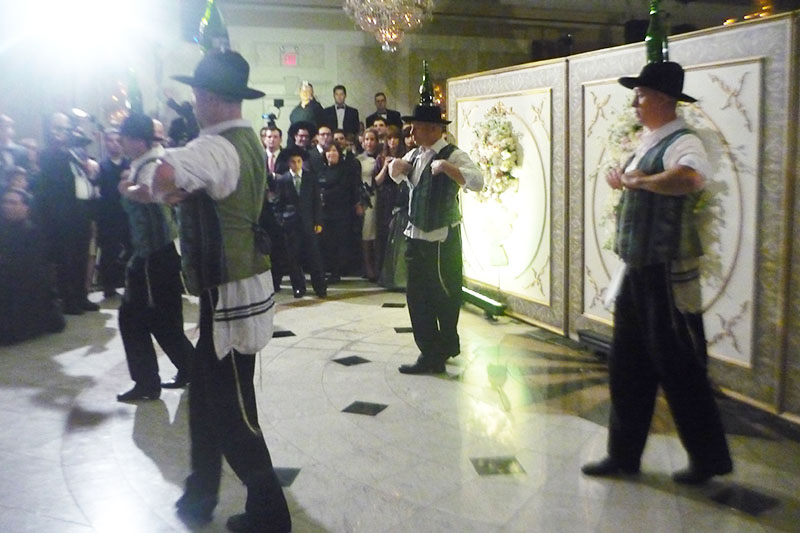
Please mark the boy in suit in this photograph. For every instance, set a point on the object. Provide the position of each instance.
(299, 207)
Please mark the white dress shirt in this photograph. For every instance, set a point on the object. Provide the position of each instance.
(339, 117)
(686, 150)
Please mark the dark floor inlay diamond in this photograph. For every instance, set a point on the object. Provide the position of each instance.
(286, 475)
(351, 360)
(406, 329)
(394, 305)
(745, 500)
(364, 408)
(492, 466)
(282, 333)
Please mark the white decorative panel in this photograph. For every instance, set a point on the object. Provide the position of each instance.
(513, 123)
(506, 230)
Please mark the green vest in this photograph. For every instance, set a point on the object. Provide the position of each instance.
(217, 238)
(656, 228)
(152, 225)
(434, 201)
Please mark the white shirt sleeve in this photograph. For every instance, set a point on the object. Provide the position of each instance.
(688, 150)
(473, 177)
(208, 163)
(400, 177)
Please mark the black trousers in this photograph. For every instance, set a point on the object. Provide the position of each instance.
(152, 305)
(335, 233)
(223, 421)
(434, 294)
(69, 244)
(655, 344)
(114, 244)
(303, 252)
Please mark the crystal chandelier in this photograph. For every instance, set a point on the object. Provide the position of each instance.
(388, 20)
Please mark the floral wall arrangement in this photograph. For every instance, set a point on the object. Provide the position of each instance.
(506, 230)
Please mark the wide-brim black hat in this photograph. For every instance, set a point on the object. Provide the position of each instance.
(295, 150)
(426, 113)
(666, 77)
(138, 126)
(302, 125)
(224, 73)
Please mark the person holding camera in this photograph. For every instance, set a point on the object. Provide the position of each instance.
(65, 190)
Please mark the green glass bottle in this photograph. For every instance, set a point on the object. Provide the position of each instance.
(426, 87)
(656, 38)
(135, 103)
(212, 34)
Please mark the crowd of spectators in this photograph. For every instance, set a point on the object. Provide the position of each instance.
(347, 160)
(63, 231)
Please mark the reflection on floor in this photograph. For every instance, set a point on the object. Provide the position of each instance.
(495, 445)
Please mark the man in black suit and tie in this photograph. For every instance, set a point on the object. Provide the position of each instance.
(299, 206)
(340, 115)
(391, 116)
(277, 163)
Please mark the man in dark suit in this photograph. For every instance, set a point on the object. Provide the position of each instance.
(277, 163)
(340, 115)
(63, 196)
(299, 206)
(391, 116)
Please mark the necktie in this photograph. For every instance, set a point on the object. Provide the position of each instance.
(297, 183)
(271, 160)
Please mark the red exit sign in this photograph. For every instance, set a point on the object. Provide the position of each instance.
(289, 59)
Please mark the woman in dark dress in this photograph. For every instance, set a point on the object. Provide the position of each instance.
(339, 180)
(387, 191)
(28, 306)
(393, 274)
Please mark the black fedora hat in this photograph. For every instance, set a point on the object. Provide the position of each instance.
(224, 73)
(666, 77)
(138, 126)
(302, 125)
(295, 150)
(426, 113)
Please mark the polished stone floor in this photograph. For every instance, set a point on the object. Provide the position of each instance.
(495, 445)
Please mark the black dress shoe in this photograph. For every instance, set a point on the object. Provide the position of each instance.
(423, 366)
(608, 467)
(698, 476)
(73, 309)
(195, 510)
(139, 393)
(178, 382)
(87, 305)
(299, 293)
(247, 523)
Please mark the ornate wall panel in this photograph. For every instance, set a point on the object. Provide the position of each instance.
(791, 382)
(512, 124)
(742, 75)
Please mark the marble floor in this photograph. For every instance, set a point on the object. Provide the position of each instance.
(495, 445)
